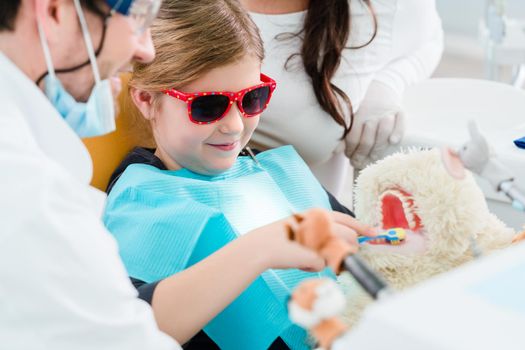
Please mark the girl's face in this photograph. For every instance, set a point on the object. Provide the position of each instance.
(207, 149)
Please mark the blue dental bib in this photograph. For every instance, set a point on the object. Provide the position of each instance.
(165, 221)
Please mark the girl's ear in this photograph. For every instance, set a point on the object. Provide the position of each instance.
(144, 102)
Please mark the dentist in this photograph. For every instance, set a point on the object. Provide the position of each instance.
(62, 285)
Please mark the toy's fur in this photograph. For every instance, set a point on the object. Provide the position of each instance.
(447, 215)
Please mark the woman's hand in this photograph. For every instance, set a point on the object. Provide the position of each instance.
(378, 123)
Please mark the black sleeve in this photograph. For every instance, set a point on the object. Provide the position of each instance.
(145, 289)
(336, 206)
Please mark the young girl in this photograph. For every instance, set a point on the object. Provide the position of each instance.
(185, 208)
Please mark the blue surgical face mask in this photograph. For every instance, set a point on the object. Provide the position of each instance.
(97, 115)
(92, 118)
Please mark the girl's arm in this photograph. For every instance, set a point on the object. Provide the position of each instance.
(185, 302)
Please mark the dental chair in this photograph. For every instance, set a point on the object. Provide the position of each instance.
(437, 113)
(109, 150)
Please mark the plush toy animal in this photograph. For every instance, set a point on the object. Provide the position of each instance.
(447, 221)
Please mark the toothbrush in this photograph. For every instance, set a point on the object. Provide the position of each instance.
(393, 236)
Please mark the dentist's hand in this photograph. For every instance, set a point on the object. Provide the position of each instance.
(378, 123)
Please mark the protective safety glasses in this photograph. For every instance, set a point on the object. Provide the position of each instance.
(141, 12)
(209, 107)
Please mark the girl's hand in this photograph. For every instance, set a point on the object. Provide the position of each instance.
(275, 250)
(332, 235)
(272, 244)
(349, 228)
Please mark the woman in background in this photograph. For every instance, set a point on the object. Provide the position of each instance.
(342, 67)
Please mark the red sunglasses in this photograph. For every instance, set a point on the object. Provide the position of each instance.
(209, 107)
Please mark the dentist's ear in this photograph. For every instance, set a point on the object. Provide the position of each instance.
(143, 100)
(51, 14)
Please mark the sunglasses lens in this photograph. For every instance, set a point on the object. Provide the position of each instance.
(206, 109)
(255, 101)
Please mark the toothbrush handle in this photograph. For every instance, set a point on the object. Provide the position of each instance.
(363, 239)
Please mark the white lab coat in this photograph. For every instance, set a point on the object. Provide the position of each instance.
(62, 284)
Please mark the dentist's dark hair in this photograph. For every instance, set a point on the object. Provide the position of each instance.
(9, 11)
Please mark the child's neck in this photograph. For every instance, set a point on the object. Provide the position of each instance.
(168, 162)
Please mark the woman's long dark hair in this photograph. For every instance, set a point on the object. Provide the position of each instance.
(326, 30)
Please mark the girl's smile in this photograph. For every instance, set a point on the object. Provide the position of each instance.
(226, 146)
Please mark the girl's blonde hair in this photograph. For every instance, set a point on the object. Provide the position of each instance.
(191, 37)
